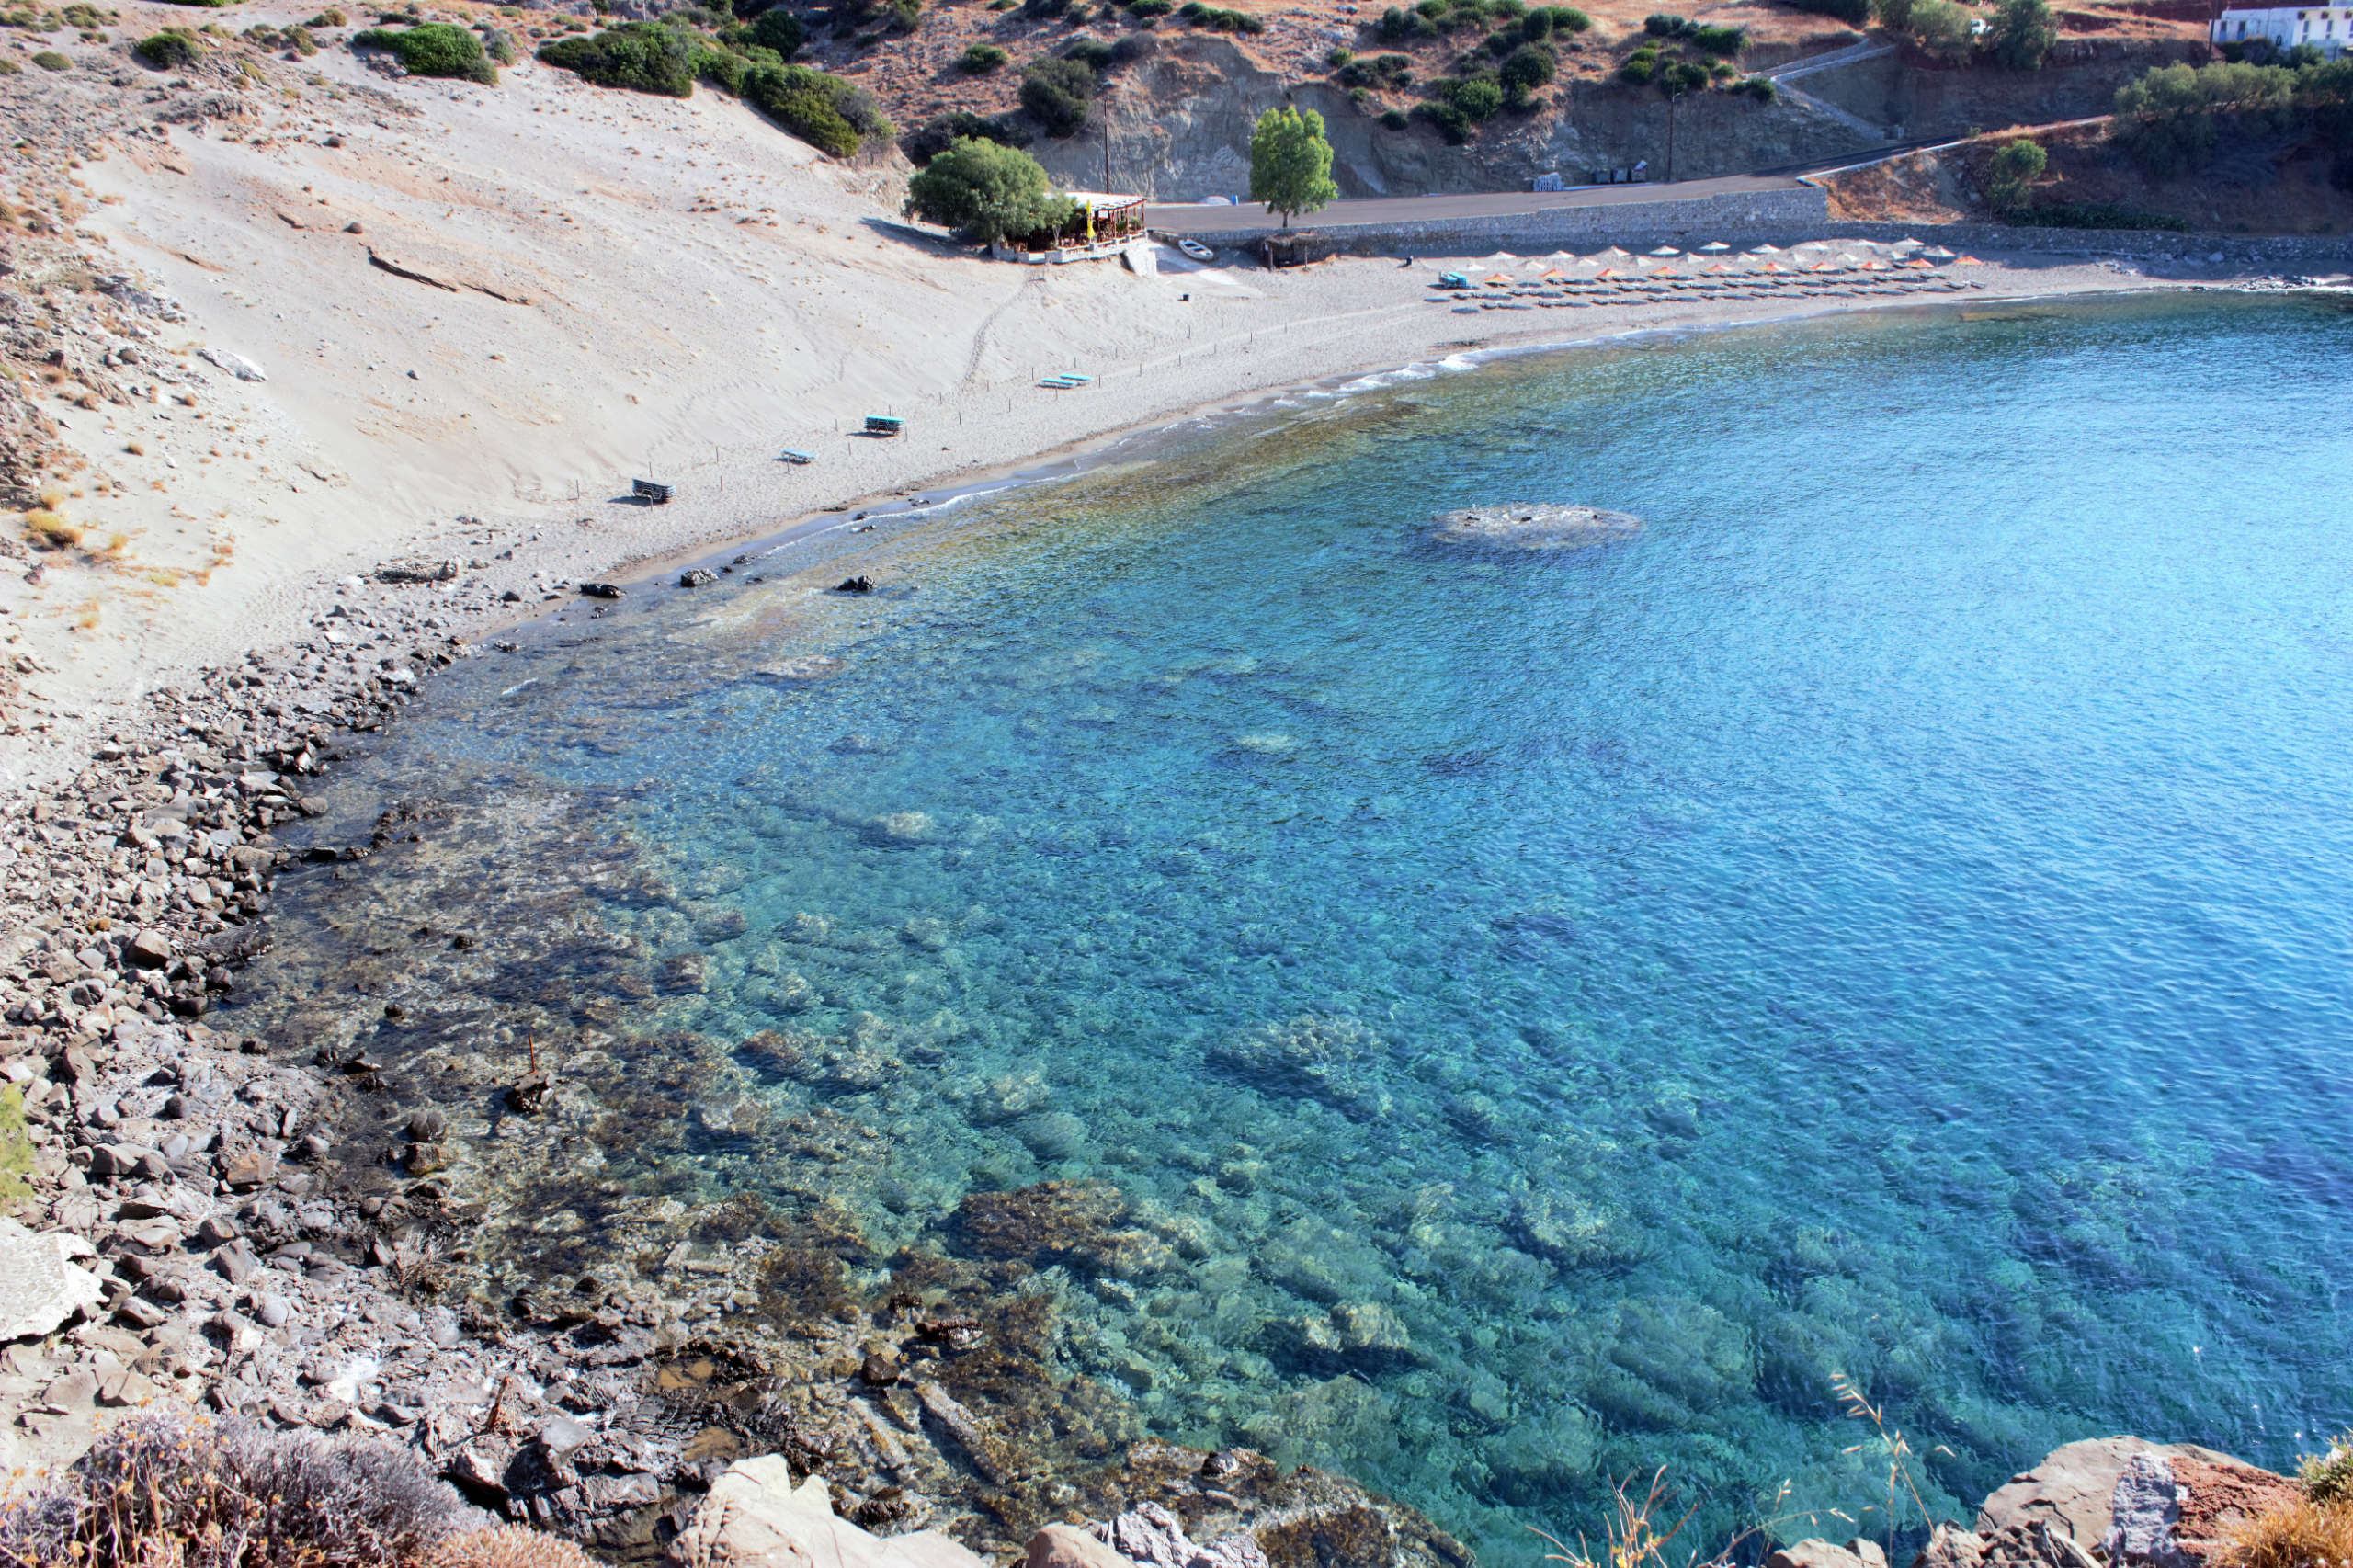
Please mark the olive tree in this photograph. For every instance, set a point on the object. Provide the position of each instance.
(1291, 163)
(986, 191)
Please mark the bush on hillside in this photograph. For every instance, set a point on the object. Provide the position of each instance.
(327, 18)
(2168, 118)
(1893, 15)
(981, 58)
(171, 49)
(1764, 89)
(50, 60)
(1059, 93)
(986, 192)
(1725, 41)
(643, 57)
(934, 137)
(1452, 122)
(1392, 72)
(828, 113)
(1091, 52)
(1217, 19)
(1529, 67)
(1943, 31)
(779, 30)
(1659, 24)
(2022, 34)
(433, 49)
(2016, 168)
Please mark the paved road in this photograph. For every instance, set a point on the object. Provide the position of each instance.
(1190, 218)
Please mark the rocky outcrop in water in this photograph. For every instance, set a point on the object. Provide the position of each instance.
(1532, 526)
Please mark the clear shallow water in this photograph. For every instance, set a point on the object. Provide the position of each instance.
(1548, 1015)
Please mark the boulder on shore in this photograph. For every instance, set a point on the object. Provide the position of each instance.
(755, 1517)
(40, 1286)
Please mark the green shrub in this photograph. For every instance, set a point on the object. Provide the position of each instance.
(642, 57)
(9, 67)
(982, 58)
(2022, 34)
(1131, 48)
(1059, 93)
(1542, 21)
(433, 49)
(1762, 89)
(935, 136)
(779, 30)
(1398, 26)
(50, 60)
(1854, 13)
(1529, 67)
(2328, 1477)
(1639, 68)
(1725, 41)
(1392, 72)
(726, 70)
(1219, 20)
(1943, 31)
(2168, 117)
(170, 50)
(499, 46)
(1091, 52)
(986, 192)
(1452, 122)
(828, 113)
(1145, 10)
(1479, 96)
(1893, 15)
(328, 19)
(1395, 118)
(1664, 25)
(2016, 168)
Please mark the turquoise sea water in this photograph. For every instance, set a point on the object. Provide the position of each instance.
(1556, 1014)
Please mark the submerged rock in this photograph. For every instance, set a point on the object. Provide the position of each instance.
(1078, 1224)
(1334, 1058)
(1533, 526)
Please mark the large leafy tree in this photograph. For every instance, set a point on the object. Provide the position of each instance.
(1291, 163)
(2023, 34)
(986, 191)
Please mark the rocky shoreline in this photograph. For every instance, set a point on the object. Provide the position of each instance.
(197, 1233)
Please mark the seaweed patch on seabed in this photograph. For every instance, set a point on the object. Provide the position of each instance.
(531, 1115)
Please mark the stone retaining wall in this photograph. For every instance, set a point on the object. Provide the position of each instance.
(1733, 214)
(1786, 216)
(2289, 253)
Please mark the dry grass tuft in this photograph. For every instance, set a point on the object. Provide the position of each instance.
(2302, 1534)
(46, 530)
(508, 1546)
(177, 1491)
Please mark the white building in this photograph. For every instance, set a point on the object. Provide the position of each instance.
(2327, 27)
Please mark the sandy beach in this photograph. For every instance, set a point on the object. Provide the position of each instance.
(480, 313)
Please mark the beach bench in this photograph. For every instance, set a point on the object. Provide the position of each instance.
(791, 456)
(650, 492)
(1063, 381)
(884, 424)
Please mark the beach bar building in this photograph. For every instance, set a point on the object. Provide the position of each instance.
(1102, 225)
(2328, 28)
